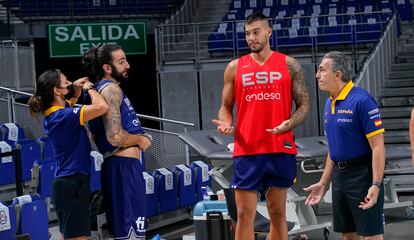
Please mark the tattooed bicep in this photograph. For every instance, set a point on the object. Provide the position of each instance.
(112, 95)
(112, 118)
(299, 90)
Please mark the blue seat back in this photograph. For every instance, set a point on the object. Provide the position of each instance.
(7, 169)
(29, 153)
(7, 222)
(47, 149)
(186, 185)
(96, 163)
(34, 220)
(151, 195)
(12, 132)
(202, 178)
(47, 169)
(168, 192)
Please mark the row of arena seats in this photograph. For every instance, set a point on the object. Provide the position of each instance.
(26, 217)
(92, 7)
(181, 182)
(303, 25)
(239, 9)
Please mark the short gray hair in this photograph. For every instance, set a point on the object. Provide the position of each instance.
(340, 62)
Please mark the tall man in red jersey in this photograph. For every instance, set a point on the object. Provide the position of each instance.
(262, 84)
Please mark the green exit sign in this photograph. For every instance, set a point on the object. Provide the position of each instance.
(73, 40)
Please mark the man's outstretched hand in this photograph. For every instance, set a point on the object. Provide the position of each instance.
(223, 127)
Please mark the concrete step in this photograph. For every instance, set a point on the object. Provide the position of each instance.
(397, 92)
(396, 123)
(395, 83)
(406, 53)
(401, 74)
(402, 66)
(396, 101)
(407, 47)
(395, 112)
(399, 136)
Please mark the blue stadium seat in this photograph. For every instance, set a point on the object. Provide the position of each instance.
(61, 8)
(96, 163)
(47, 149)
(151, 195)
(112, 7)
(217, 42)
(333, 30)
(372, 27)
(8, 222)
(47, 169)
(29, 153)
(129, 7)
(34, 220)
(28, 8)
(202, 178)
(167, 188)
(44, 8)
(7, 168)
(404, 10)
(12, 132)
(186, 185)
(81, 7)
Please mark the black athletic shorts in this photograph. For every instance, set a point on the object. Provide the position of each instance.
(70, 197)
(349, 187)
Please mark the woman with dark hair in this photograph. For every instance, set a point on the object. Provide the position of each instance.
(63, 122)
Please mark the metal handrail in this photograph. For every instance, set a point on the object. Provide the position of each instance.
(139, 115)
(169, 37)
(387, 44)
(15, 91)
(165, 120)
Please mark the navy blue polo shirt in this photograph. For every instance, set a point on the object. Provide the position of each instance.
(349, 121)
(64, 126)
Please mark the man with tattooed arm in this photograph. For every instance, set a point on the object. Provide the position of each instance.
(262, 85)
(120, 137)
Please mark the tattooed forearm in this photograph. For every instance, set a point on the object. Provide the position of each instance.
(112, 119)
(299, 92)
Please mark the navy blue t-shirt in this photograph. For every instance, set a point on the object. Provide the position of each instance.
(349, 121)
(64, 126)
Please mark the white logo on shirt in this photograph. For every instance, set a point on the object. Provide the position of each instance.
(140, 224)
(135, 122)
(75, 110)
(260, 78)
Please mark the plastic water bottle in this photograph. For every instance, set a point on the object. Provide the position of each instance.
(204, 191)
(156, 237)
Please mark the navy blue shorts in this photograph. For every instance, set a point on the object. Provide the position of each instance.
(70, 197)
(123, 189)
(349, 188)
(259, 172)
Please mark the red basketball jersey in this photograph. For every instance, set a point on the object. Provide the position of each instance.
(263, 101)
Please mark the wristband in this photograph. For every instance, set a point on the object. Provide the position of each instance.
(378, 184)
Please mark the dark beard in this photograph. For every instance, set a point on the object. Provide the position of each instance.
(118, 76)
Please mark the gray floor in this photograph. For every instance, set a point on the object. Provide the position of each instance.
(397, 227)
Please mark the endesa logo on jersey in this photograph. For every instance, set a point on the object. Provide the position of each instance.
(262, 81)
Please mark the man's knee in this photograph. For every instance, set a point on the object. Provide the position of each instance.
(351, 236)
(376, 237)
(244, 214)
(277, 211)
